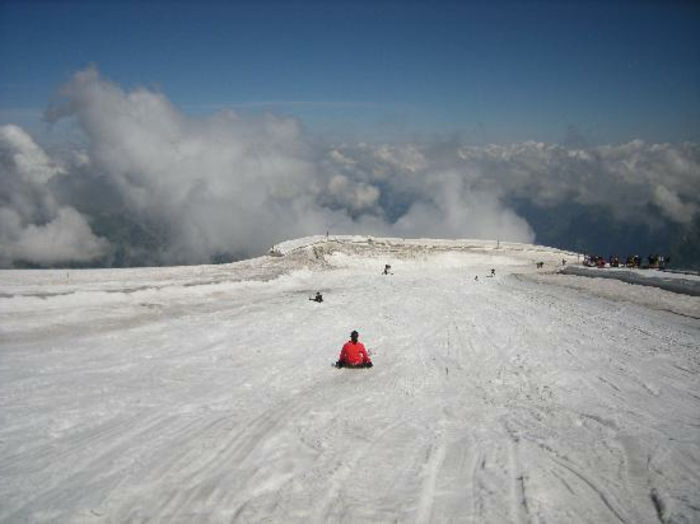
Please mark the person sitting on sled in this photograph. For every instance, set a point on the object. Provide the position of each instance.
(354, 354)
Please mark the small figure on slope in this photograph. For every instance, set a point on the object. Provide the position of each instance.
(353, 354)
(318, 297)
(387, 270)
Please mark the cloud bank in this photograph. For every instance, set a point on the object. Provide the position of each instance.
(154, 186)
(34, 227)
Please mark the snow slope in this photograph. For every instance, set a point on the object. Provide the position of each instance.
(205, 394)
(684, 283)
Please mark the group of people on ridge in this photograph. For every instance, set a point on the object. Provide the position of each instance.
(654, 261)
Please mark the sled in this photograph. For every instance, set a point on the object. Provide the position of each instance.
(346, 366)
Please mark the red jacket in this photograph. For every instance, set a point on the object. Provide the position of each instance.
(354, 354)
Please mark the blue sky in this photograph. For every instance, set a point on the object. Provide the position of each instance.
(492, 72)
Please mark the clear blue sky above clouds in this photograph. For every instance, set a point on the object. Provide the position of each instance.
(493, 71)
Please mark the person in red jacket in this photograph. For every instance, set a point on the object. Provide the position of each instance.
(354, 354)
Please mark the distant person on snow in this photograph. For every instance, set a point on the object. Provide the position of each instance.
(318, 297)
(354, 354)
(387, 269)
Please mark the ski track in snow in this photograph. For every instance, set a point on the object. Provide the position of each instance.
(205, 394)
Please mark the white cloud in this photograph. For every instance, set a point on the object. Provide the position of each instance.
(233, 184)
(672, 206)
(623, 179)
(354, 196)
(33, 227)
(66, 238)
(222, 184)
(31, 164)
(408, 158)
(229, 184)
(449, 207)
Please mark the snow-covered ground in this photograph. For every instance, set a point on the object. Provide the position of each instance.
(206, 394)
(678, 282)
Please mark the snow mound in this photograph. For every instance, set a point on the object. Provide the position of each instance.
(362, 251)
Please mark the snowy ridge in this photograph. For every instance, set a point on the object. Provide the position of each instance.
(412, 245)
(205, 393)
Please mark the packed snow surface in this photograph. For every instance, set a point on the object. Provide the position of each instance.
(206, 394)
(684, 283)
